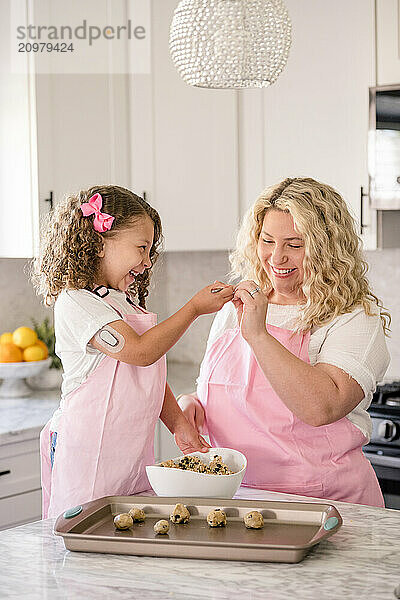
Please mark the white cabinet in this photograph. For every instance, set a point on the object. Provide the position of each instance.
(388, 42)
(82, 133)
(18, 202)
(20, 491)
(314, 120)
(184, 149)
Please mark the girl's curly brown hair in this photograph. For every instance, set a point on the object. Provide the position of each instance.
(70, 246)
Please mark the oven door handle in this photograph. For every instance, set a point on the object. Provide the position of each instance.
(383, 461)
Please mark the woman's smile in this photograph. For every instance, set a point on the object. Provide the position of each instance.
(282, 273)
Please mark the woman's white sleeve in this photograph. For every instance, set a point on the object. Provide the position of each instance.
(356, 344)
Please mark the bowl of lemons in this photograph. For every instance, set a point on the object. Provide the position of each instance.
(22, 355)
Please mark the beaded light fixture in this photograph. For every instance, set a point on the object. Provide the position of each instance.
(230, 43)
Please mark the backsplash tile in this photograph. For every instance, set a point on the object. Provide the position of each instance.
(177, 277)
(384, 276)
(18, 300)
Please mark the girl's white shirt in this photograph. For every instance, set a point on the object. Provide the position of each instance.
(78, 316)
(353, 342)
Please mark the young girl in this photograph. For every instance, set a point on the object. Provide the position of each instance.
(97, 252)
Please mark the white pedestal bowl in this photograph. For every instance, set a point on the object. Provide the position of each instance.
(14, 374)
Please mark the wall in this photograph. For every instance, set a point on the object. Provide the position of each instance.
(177, 277)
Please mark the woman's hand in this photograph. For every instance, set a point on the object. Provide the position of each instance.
(206, 301)
(193, 411)
(188, 439)
(251, 307)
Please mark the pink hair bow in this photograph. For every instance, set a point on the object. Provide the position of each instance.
(101, 222)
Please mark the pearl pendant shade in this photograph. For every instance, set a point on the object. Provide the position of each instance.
(230, 43)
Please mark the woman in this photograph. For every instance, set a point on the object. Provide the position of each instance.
(292, 363)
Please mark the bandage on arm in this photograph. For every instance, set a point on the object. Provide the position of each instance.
(109, 339)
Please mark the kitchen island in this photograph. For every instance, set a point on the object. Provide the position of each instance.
(362, 560)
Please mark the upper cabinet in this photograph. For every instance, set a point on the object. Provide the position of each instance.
(184, 149)
(18, 159)
(388, 42)
(313, 122)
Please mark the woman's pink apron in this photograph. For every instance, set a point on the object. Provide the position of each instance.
(284, 454)
(106, 431)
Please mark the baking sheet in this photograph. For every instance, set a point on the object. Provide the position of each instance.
(291, 529)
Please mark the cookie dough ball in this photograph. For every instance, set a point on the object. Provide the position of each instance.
(161, 527)
(138, 515)
(123, 521)
(216, 518)
(180, 514)
(253, 520)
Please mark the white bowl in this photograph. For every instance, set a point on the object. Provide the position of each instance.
(178, 483)
(13, 375)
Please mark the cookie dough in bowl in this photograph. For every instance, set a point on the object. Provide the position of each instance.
(220, 477)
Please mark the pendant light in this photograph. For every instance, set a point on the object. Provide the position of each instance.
(230, 43)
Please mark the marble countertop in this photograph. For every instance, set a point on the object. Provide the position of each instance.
(362, 560)
(23, 418)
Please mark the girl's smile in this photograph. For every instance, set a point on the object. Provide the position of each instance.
(281, 253)
(126, 255)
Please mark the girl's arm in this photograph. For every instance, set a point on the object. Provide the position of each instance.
(319, 394)
(143, 350)
(173, 418)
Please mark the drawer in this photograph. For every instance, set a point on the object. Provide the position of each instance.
(19, 468)
(24, 508)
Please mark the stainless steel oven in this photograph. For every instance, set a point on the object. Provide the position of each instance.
(384, 448)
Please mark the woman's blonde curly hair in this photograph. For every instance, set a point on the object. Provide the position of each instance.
(334, 270)
(70, 246)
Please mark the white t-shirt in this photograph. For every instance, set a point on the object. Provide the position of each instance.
(354, 342)
(78, 315)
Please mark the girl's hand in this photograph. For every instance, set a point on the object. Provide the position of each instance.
(193, 411)
(251, 307)
(188, 439)
(206, 301)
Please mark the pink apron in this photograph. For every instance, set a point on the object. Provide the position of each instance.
(105, 436)
(284, 454)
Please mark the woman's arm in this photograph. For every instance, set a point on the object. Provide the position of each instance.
(143, 350)
(193, 411)
(186, 436)
(319, 394)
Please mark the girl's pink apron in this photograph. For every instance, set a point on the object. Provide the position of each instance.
(106, 430)
(284, 454)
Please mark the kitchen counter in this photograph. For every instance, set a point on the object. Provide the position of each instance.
(362, 560)
(22, 418)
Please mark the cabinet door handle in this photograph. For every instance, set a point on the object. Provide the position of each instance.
(362, 196)
(5, 472)
(50, 200)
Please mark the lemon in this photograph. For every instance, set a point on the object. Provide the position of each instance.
(45, 348)
(24, 337)
(34, 352)
(6, 338)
